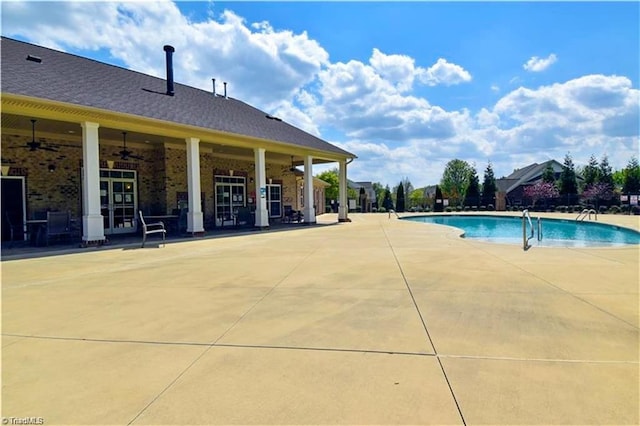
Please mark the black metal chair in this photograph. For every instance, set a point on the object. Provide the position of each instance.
(58, 226)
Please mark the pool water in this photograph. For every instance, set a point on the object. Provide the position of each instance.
(555, 232)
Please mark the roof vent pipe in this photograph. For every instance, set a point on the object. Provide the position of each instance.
(214, 86)
(169, 55)
(225, 90)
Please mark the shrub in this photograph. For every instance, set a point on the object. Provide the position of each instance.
(448, 209)
(483, 208)
(614, 210)
(382, 210)
(490, 207)
(602, 209)
(458, 208)
(561, 209)
(635, 210)
(467, 208)
(474, 208)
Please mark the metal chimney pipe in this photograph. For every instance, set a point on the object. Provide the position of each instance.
(225, 90)
(169, 59)
(214, 86)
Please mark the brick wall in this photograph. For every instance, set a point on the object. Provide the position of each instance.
(162, 174)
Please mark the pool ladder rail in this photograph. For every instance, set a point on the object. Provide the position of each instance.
(586, 212)
(526, 218)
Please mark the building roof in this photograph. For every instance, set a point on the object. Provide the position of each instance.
(368, 188)
(528, 175)
(80, 81)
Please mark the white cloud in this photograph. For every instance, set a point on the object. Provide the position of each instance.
(260, 64)
(443, 72)
(535, 64)
(370, 108)
(398, 70)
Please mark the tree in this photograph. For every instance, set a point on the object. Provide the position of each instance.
(540, 191)
(408, 188)
(597, 191)
(362, 198)
(416, 198)
(400, 198)
(548, 175)
(568, 183)
(454, 180)
(472, 193)
(438, 204)
(332, 191)
(489, 187)
(605, 175)
(387, 203)
(379, 189)
(591, 172)
(631, 182)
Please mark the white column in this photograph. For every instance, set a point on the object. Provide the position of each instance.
(92, 222)
(195, 223)
(343, 208)
(309, 210)
(262, 215)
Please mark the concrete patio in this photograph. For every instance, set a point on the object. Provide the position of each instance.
(377, 321)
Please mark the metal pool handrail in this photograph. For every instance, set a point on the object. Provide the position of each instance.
(526, 217)
(586, 212)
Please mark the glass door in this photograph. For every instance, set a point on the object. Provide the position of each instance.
(230, 196)
(118, 201)
(274, 200)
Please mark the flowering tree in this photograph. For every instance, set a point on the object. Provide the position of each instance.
(598, 191)
(541, 191)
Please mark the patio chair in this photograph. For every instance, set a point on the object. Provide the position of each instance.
(244, 217)
(290, 215)
(151, 228)
(58, 226)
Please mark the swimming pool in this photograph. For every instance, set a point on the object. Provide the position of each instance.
(555, 232)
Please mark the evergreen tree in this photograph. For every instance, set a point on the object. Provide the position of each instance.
(631, 183)
(548, 175)
(408, 187)
(472, 194)
(438, 206)
(489, 186)
(605, 175)
(379, 189)
(400, 198)
(568, 183)
(591, 173)
(387, 203)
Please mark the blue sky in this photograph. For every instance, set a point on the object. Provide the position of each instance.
(404, 86)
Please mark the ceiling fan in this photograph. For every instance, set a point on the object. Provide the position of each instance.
(125, 154)
(292, 168)
(35, 145)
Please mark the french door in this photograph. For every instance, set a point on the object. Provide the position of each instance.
(118, 201)
(230, 196)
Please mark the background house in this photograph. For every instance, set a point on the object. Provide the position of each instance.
(510, 189)
(366, 199)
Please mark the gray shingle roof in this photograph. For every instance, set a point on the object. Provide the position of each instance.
(81, 81)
